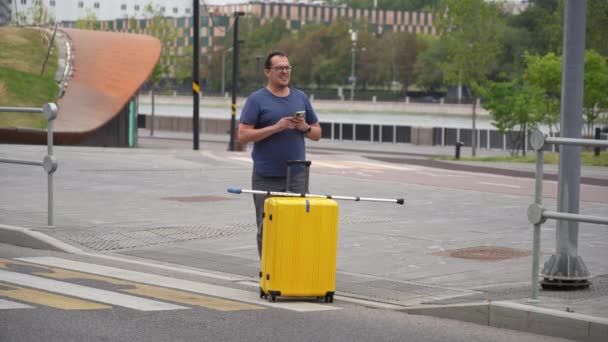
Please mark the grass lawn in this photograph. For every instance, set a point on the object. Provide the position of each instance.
(22, 54)
(587, 158)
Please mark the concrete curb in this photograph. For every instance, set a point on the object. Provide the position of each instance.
(521, 317)
(30, 238)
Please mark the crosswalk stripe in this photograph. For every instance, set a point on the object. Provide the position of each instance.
(143, 290)
(48, 299)
(186, 285)
(103, 296)
(7, 304)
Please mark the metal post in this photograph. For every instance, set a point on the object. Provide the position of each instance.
(223, 72)
(598, 136)
(353, 78)
(49, 164)
(565, 269)
(195, 74)
(235, 69)
(50, 175)
(152, 120)
(538, 199)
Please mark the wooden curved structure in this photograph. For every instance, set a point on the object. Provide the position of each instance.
(109, 68)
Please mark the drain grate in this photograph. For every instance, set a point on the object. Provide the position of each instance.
(485, 253)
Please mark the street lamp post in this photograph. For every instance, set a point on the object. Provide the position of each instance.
(235, 64)
(195, 74)
(353, 78)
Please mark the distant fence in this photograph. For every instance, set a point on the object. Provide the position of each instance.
(363, 132)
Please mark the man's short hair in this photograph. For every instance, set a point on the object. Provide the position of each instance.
(268, 62)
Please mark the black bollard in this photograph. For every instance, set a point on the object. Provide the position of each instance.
(458, 145)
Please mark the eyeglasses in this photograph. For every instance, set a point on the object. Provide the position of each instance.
(281, 68)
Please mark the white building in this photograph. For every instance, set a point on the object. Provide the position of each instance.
(72, 10)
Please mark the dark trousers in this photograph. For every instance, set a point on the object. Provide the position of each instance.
(259, 182)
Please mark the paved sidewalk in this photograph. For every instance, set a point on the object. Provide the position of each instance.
(165, 202)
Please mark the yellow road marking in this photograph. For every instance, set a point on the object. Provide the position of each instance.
(142, 289)
(191, 298)
(47, 299)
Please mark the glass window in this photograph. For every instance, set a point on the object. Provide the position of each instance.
(52, 3)
(96, 5)
(80, 4)
(24, 2)
(123, 7)
(175, 10)
(188, 10)
(136, 7)
(162, 9)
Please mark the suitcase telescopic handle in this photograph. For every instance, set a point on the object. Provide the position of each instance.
(291, 194)
(303, 162)
(306, 175)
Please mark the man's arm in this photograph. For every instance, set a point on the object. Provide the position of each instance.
(248, 133)
(315, 132)
(315, 129)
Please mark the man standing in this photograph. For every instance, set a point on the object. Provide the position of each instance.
(276, 119)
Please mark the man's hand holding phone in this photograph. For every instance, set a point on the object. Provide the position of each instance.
(301, 125)
(299, 115)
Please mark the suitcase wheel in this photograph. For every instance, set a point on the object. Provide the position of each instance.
(273, 295)
(262, 294)
(329, 297)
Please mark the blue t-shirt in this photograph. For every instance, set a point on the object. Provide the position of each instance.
(263, 109)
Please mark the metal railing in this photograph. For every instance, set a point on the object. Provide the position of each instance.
(48, 163)
(537, 214)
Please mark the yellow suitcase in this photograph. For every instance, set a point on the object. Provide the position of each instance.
(299, 248)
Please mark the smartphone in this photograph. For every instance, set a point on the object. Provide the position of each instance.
(299, 114)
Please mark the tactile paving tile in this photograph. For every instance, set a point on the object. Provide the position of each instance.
(130, 237)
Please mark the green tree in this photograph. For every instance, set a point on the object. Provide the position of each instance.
(595, 100)
(513, 105)
(473, 34)
(597, 26)
(89, 22)
(397, 56)
(433, 51)
(545, 72)
(160, 27)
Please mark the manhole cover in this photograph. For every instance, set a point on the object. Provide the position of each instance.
(197, 198)
(485, 253)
